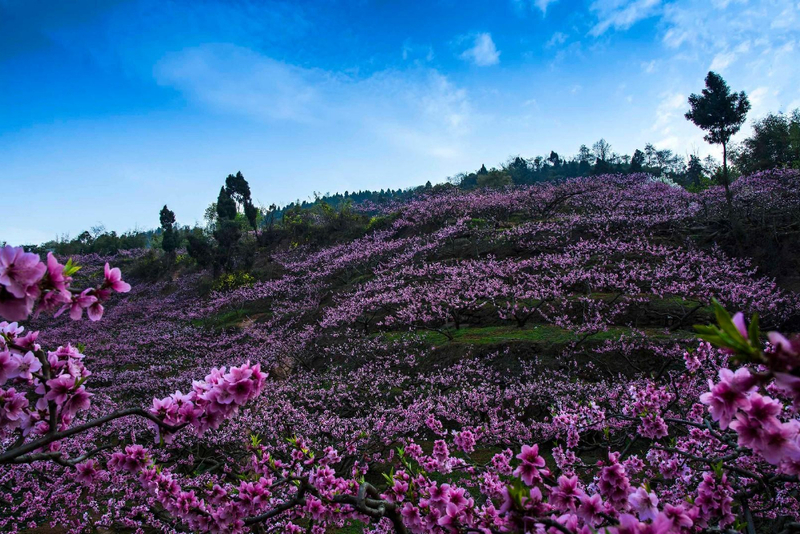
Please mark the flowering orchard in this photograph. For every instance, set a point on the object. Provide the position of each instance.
(517, 360)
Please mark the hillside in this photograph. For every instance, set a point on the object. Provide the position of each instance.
(520, 315)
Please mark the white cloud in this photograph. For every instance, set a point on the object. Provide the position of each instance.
(418, 109)
(762, 101)
(543, 5)
(483, 53)
(672, 106)
(672, 131)
(649, 66)
(522, 5)
(621, 14)
(721, 61)
(787, 19)
(240, 80)
(746, 41)
(417, 53)
(558, 38)
(727, 25)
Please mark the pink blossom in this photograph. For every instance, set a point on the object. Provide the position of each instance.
(80, 400)
(465, 441)
(8, 366)
(677, 516)
(440, 450)
(240, 391)
(13, 404)
(714, 498)
(644, 503)
(20, 271)
(79, 303)
(26, 365)
(95, 311)
(87, 471)
(134, 458)
(778, 442)
(55, 274)
(60, 389)
(567, 493)
(590, 509)
(13, 308)
(739, 323)
(729, 395)
(790, 385)
(532, 467)
(613, 482)
(782, 343)
(114, 279)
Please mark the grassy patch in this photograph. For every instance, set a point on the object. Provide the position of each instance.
(354, 527)
(227, 319)
(490, 335)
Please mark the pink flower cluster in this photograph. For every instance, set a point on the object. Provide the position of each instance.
(211, 400)
(25, 281)
(55, 383)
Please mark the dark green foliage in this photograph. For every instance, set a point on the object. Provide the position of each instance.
(101, 243)
(517, 169)
(720, 113)
(169, 236)
(251, 214)
(694, 171)
(717, 110)
(226, 206)
(227, 235)
(230, 254)
(323, 223)
(200, 248)
(237, 188)
(494, 178)
(227, 250)
(637, 161)
(166, 217)
(775, 143)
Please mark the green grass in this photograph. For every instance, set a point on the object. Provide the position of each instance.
(355, 527)
(227, 319)
(490, 335)
(677, 305)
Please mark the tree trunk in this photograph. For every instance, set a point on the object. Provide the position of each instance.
(725, 180)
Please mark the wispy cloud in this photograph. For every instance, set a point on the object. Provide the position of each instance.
(543, 5)
(721, 61)
(671, 106)
(483, 53)
(416, 52)
(419, 109)
(621, 14)
(722, 35)
(237, 79)
(521, 6)
(558, 38)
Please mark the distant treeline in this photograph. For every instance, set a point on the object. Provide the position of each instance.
(774, 143)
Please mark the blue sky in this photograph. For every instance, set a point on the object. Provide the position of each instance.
(110, 109)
